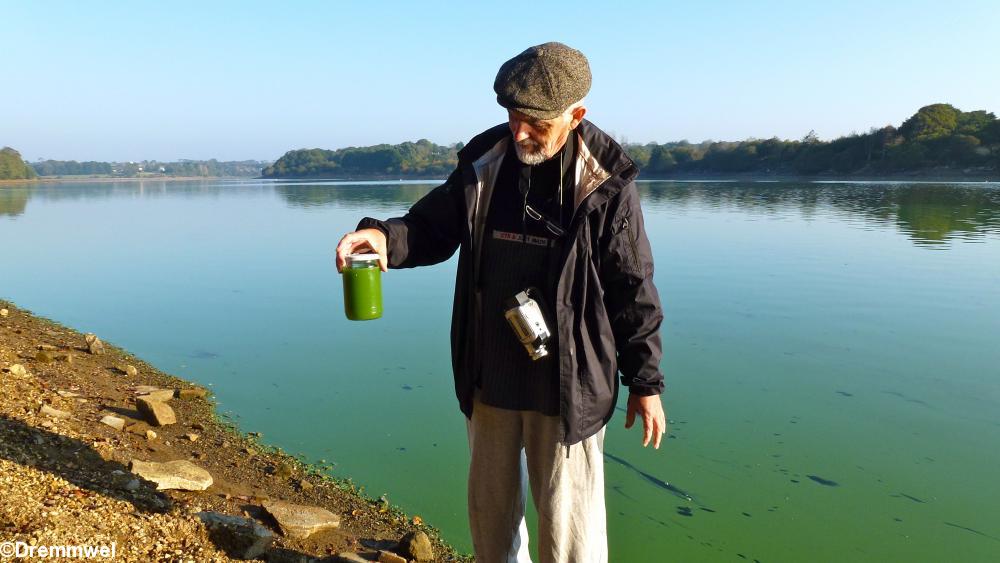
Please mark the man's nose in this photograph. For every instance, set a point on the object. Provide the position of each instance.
(520, 130)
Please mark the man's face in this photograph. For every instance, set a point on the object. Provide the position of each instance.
(537, 140)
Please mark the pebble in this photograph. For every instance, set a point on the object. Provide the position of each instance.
(150, 434)
(192, 437)
(131, 371)
(4, 312)
(17, 370)
(192, 393)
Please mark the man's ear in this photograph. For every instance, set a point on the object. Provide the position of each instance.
(578, 114)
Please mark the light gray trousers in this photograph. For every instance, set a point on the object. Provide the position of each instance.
(512, 448)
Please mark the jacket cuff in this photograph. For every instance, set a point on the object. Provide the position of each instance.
(369, 223)
(646, 390)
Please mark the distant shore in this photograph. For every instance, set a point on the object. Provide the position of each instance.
(100, 179)
(72, 434)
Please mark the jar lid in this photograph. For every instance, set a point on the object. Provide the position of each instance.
(354, 258)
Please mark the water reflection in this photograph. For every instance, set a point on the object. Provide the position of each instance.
(930, 214)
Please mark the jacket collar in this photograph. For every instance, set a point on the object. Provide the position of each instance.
(599, 159)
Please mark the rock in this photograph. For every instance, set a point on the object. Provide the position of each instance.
(300, 522)
(94, 344)
(416, 545)
(47, 347)
(192, 437)
(350, 557)
(196, 393)
(240, 538)
(53, 413)
(150, 435)
(180, 474)
(161, 395)
(305, 485)
(283, 470)
(143, 389)
(157, 413)
(131, 371)
(114, 422)
(68, 358)
(390, 557)
(67, 394)
(4, 312)
(17, 370)
(44, 357)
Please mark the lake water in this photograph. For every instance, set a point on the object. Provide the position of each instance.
(830, 349)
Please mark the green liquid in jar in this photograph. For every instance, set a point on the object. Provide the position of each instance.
(362, 293)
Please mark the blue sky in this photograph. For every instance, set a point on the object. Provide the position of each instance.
(242, 80)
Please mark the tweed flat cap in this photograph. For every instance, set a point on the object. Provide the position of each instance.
(543, 80)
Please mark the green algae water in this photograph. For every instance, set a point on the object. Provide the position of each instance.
(362, 288)
(830, 352)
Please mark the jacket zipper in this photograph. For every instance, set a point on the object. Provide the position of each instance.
(633, 251)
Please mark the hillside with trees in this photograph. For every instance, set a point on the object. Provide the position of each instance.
(148, 168)
(13, 167)
(421, 159)
(937, 140)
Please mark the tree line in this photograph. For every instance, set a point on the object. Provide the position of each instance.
(420, 159)
(937, 137)
(13, 167)
(205, 168)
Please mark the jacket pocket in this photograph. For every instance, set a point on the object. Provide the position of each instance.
(626, 246)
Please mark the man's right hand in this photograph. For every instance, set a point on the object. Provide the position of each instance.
(365, 240)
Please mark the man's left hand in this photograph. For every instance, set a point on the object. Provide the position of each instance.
(654, 422)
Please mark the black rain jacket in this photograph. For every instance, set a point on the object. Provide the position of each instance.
(607, 309)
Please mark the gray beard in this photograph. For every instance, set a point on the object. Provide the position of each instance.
(530, 158)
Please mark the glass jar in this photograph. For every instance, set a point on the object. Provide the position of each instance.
(362, 287)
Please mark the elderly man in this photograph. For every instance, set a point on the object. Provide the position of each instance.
(543, 207)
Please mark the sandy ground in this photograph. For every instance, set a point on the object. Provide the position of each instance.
(65, 478)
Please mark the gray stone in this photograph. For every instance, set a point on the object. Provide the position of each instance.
(416, 545)
(180, 474)
(300, 522)
(17, 370)
(156, 412)
(114, 422)
(350, 557)
(390, 557)
(54, 413)
(162, 395)
(94, 344)
(132, 485)
(240, 538)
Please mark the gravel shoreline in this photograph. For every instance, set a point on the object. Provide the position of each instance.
(66, 477)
